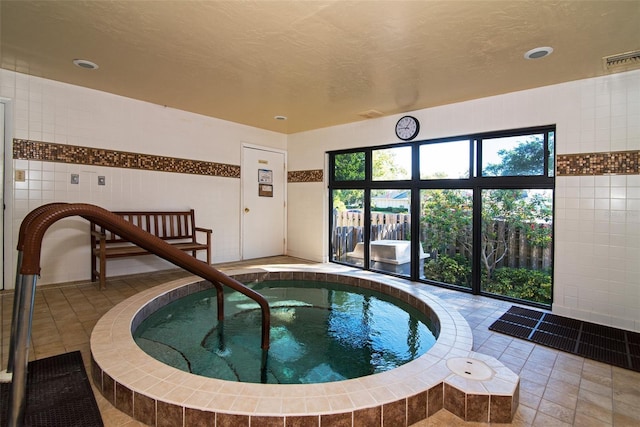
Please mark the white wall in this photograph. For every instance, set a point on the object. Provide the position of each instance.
(597, 256)
(45, 110)
(597, 218)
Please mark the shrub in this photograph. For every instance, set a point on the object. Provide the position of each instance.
(520, 283)
(454, 270)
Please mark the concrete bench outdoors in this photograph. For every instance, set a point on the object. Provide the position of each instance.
(176, 228)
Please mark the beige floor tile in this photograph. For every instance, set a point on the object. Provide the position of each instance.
(620, 420)
(570, 360)
(524, 416)
(603, 401)
(627, 410)
(565, 378)
(544, 420)
(529, 399)
(583, 420)
(592, 410)
(565, 397)
(557, 411)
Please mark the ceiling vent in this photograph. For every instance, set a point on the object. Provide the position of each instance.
(371, 114)
(622, 62)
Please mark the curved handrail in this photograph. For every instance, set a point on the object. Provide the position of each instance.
(18, 286)
(35, 230)
(26, 222)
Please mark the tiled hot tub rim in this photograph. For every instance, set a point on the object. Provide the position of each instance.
(155, 391)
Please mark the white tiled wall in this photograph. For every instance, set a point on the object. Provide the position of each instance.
(50, 111)
(598, 249)
(597, 256)
(597, 222)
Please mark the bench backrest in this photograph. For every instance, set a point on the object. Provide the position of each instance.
(165, 225)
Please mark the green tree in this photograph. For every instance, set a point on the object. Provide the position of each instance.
(386, 165)
(517, 211)
(446, 229)
(447, 219)
(351, 167)
(446, 214)
(516, 208)
(447, 222)
(525, 159)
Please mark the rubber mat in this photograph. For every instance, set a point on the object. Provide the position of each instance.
(597, 342)
(58, 394)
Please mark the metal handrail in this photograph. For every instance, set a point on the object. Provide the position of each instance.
(17, 291)
(30, 242)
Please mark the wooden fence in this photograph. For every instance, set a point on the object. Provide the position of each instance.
(348, 229)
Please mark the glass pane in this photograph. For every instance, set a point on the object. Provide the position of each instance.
(552, 154)
(349, 167)
(390, 248)
(391, 164)
(445, 160)
(446, 235)
(513, 156)
(517, 230)
(348, 223)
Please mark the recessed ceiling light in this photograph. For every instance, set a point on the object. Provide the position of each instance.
(280, 117)
(83, 63)
(538, 52)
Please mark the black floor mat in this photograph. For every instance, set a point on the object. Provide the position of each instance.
(58, 394)
(597, 342)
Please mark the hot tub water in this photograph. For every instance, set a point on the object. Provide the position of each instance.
(320, 332)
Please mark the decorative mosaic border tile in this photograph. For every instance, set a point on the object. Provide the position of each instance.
(62, 153)
(315, 175)
(618, 162)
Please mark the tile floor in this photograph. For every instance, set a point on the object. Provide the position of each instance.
(557, 389)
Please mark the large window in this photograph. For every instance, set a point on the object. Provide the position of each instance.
(446, 235)
(473, 213)
(515, 243)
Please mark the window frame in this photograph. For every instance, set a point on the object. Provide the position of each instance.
(475, 182)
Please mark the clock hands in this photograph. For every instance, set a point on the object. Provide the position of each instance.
(407, 128)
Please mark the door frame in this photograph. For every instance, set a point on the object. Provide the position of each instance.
(242, 195)
(6, 235)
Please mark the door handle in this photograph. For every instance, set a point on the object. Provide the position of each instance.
(246, 210)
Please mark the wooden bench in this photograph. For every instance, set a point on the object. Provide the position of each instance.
(176, 228)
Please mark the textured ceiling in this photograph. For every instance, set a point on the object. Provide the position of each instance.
(320, 63)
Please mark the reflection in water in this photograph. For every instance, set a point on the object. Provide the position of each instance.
(320, 332)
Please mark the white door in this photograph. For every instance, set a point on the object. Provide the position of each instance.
(263, 203)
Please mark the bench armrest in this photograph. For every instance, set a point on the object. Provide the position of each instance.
(204, 230)
(208, 231)
(98, 235)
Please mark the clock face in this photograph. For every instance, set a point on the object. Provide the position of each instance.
(407, 128)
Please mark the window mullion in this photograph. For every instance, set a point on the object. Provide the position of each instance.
(476, 255)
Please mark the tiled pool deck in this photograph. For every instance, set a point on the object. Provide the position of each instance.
(556, 389)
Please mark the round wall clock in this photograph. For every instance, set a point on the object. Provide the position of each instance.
(407, 128)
